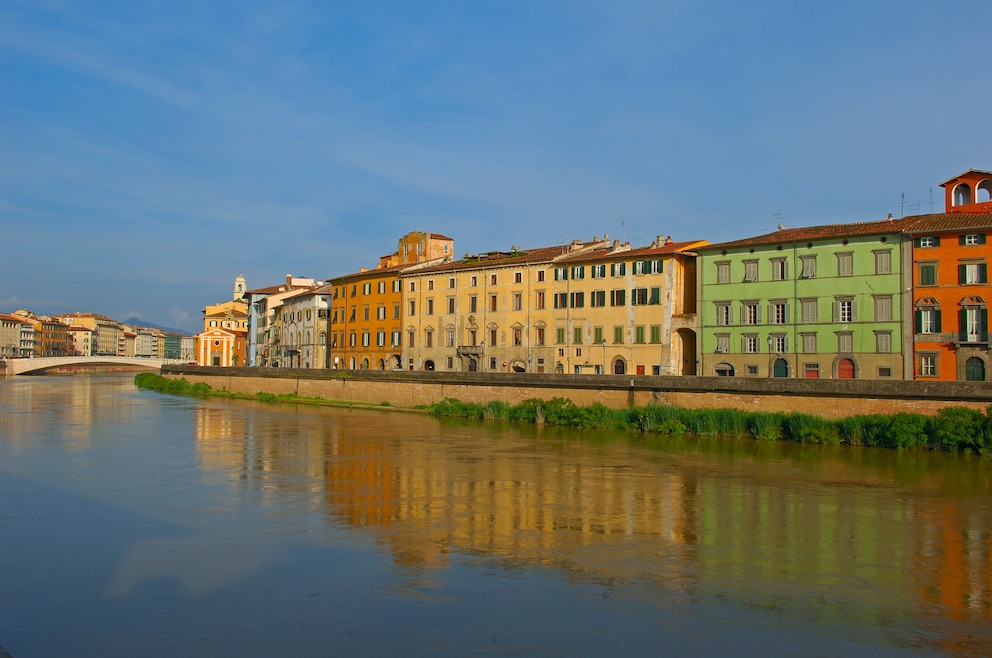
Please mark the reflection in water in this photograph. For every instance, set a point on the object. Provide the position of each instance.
(857, 536)
(888, 549)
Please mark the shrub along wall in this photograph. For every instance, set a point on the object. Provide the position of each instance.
(826, 398)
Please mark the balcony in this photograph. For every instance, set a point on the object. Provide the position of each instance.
(469, 350)
(956, 337)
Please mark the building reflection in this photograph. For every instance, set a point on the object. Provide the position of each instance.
(871, 535)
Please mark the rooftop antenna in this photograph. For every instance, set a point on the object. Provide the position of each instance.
(623, 227)
(931, 200)
(778, 216)
(902, 204)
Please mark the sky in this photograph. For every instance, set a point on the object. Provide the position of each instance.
(152, 151)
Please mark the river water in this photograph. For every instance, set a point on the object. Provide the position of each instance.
(134, 523)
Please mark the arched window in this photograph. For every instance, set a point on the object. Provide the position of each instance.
(974, 370)
(962, 195)
(724, 370)
(984, 192)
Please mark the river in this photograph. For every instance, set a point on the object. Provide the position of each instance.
(136, 523)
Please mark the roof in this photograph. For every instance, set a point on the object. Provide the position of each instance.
(508, 258)
(980, 172)
(613, 253)
(951, 221)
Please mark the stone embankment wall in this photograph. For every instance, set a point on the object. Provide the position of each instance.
(829, 398)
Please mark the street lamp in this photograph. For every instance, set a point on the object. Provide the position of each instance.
(604, 356)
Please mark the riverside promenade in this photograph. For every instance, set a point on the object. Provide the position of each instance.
(828, 398)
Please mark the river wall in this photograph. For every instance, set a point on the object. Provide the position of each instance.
(829, 398)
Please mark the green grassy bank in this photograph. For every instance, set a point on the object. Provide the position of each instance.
(954, 429)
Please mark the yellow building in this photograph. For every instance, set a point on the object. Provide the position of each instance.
(223, 339)
(366, 315)
(489, 312)
(627, 311)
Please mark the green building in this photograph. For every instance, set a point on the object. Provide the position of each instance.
(816, 302)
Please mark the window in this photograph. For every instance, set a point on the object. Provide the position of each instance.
(430, 307)
(750, 270)
(561, 273)
(578, 272)
(928, 365)
(597, 298)
(928, 242)
(473, 281)
(845, 342)
(493, 337)
(578, 299)
(722, 343)
(366, 338)
(971, 273)
(655, 297)
(928, 320)
(539, 299)
(884, 372)
(780, 269)
(845, 264)
(883, 261)
(449, 337)
(451, 282)
(639, 296)
(413, 287)
(473, 304)
(749, 313)
(397, 285)
(722, 314)
(809, 267)
(365, 313)
(723, 272)
(618, 335)
(539, 336)
(883, 342)
(381, 287)
(844, 310)
(411, 308)
(472, 338)
(561, 299)
(380, 313)
(809, 343)
(618, 298)
(451, 305)
(809, 310)
(493, 301)
(560, 336)
(972, 239)
(778, 312)
(396, 311)
(618, 269)
(492, 279)
(655, 334)
(597, 335)
(598, 271)
(380, 338)
(518, 336)
(518, 301)
(749, 344)
(430, 284)
(638, 266)
(780, 343)
(367, 288)
(518, 277)
(540, 275)
(639, 334)
(883, 308)
(974, 324)
(928, 274)
(492, 363)
(577, 335)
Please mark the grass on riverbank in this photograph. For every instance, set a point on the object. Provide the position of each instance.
(954, 429)
(154, 382)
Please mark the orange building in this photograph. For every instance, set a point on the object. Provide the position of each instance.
(951, 288)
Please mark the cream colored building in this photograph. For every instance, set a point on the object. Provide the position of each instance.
(489, 312)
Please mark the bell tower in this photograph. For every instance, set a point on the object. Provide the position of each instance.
(240, 287)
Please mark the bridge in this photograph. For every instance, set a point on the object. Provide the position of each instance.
(40, 364)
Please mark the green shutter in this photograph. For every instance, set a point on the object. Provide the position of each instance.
(962, 272)
(963, 323)
(983, 273)
(981, 238)
(936, 240)
(917, 242)
(919, 321)
(936, 321)
(983, 321)
(961, 239)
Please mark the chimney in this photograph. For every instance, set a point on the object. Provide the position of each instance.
(289, 281)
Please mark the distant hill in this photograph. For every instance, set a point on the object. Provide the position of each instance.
(138, 322)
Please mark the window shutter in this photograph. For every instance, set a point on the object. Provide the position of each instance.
(963, 323)
(919, 321)
(983, 273)
(961, 239)
(742, 315)
(983, 322)
(917, 242)
(788, 313)
(981, 238)
(936, 321)
(854, 311)
(962, 271)
(936, 240)
(613, 269)
(743, 344)
(769, 313)
(836, 306)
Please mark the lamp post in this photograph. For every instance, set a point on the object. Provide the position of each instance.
(771, 356)
(604, 355)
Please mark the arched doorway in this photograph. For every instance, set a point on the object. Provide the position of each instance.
(473, 365)
(724, 370)
(518, 366)
(428, 365)
(365, 363)
(687, 347)
(974, 370)
(845, 369)
(780, 368)
(619, 367)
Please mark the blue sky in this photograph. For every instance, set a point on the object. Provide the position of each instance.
(151, 151)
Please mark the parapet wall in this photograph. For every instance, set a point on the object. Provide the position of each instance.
(830, 398)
